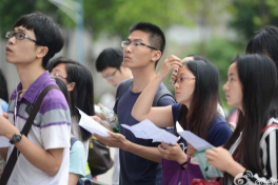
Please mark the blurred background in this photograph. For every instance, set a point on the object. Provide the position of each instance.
(216, 29)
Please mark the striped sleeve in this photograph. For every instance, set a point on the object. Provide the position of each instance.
(269, 150)
(56, 121)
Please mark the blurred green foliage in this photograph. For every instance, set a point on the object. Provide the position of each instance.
(114, 17)
(251, 15)
(10, 11)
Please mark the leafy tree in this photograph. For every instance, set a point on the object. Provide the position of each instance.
(10, 11)
(251, 15)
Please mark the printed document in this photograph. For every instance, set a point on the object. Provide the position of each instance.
(197, 142)
(147, 130)
(91, 125)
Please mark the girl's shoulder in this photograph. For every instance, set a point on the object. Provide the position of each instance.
(219, 120)
(220, 125)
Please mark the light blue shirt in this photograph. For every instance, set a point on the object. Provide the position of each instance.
(77, 163)
(4, 105)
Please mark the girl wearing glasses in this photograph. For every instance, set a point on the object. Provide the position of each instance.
(196, 91)
(79, 83)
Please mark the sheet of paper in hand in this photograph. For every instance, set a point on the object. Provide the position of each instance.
(147, 130)
(197, 142)
(91, 125)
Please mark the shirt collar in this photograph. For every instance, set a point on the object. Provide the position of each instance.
(36, 87)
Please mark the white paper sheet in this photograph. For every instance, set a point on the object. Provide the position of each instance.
(178, 126)
(147, 130)
(4, 142)
(91, 125)
(197, 142)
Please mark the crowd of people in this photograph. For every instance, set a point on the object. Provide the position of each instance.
(53, 148)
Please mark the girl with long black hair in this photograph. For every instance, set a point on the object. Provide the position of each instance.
(252, 155)
(196, 91)
(79, 82)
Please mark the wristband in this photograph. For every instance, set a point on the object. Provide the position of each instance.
(183, 165)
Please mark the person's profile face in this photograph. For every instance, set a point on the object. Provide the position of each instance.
(184, 86)
(112, 75)
(233, 88)
(21, 50)
(136, 55)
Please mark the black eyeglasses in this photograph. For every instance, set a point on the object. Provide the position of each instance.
(181, 79)
(19, 36)
(135, 44)
(110, 77)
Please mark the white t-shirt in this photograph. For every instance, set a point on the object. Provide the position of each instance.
(50, 130)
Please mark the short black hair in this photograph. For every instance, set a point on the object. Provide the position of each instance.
(47, 33)
(156, 38)
(265, 42)
(109, 57)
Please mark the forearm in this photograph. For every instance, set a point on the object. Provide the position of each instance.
(37, 156)
(73, 179)
(143, 104)
(235, 168)
(150, 153)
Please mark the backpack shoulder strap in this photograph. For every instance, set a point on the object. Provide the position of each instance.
(72, 141)
(268, 126)
(14, 156)
(160, 94)
(124, 86)
(121, 89)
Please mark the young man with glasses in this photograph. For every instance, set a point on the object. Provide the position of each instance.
(141, 50)
(44, 153)
(109, 64)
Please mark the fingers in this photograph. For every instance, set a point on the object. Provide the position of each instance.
(173, 57)
(165, 145)
(211, 155)
(175, 64)
(189, 146)
(174, 76)
(97, 136)
(112, 134)
(162, 150)
(6, 115)
(100, 105)
(96, 118)
(174, 61)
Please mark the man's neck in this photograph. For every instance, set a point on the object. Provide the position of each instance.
(28, 74)
(142, 77)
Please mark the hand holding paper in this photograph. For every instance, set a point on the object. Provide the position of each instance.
(197, 142)
(147, 130)
(91, 125)
(201, 145)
